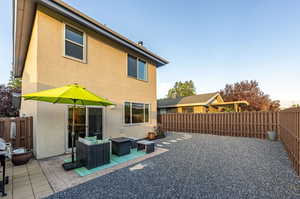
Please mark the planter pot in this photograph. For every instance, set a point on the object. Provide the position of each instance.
(151, 136)
(272, 135)
(22, 158)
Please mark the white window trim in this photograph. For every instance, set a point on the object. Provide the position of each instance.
(82, 45)
(137, 68)
(136, 124)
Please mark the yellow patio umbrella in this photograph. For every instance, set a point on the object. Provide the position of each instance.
(70, 94)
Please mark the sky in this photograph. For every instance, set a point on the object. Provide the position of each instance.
(210, 42)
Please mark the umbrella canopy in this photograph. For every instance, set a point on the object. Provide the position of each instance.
(70, 94)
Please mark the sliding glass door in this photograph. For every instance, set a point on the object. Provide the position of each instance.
(88, 122)
(80, 124)
(95, 122)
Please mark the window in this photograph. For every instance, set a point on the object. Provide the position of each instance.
(142, 70)
(137, 68)
(162, 111)
(74, 43)
(188, 109)
(132, 69)
(136, 113)
(127, 113)
(171, 110)
(147, 109)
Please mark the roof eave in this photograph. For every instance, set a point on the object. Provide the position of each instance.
(23, 13)
(231, 102)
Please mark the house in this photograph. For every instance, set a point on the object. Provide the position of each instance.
(55, 45)
(203, 103)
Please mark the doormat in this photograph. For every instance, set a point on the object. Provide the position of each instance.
(115, 160)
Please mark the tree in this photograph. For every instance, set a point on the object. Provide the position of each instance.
(6, 107)
(6, 97)
(295, 106)
(249, 91)
(14, 83)
(182, 89)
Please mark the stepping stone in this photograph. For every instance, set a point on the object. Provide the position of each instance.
(173, 140)
(178, 139)
(137, 167)
(187, 137)
(159, 145)
(166, 143)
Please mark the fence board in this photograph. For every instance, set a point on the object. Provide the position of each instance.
(290, 135)
(244, 124)
(24, 137)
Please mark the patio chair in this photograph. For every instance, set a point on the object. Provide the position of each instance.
(93, 153)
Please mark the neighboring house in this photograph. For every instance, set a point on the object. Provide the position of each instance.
(203, 103)
(55, 45)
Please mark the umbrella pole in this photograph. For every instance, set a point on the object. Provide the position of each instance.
(73, 132)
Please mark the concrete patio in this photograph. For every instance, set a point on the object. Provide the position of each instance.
(27, 181)
(38, 179)
(61, 179)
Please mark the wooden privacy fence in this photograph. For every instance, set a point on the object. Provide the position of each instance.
(243, 124)
(23, 131)
(290, 135)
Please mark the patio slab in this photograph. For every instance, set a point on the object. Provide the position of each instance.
(61, 179)
(200, 166)
(26, 181)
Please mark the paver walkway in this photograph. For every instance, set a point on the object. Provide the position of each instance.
(26, 181)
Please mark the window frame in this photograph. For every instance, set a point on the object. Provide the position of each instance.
(83, 60)
(133, 124)
(146, 71)
(137, 68)
(186, 109)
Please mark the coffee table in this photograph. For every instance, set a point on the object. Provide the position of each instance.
(121, 146)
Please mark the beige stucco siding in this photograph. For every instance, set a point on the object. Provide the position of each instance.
(29, 79)
(104, 73)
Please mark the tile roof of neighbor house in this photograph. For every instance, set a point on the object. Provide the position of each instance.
(194, 99)
(23, 17)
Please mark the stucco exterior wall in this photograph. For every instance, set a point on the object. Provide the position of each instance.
(104, 73)
(29, 80)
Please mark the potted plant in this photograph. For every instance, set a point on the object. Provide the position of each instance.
(159, 132)
(20, 156)
(272, 135)
(151, 135)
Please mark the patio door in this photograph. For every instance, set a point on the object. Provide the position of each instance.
(94, 121)
(88, 122)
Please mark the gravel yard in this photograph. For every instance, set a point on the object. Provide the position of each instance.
(200, 166)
